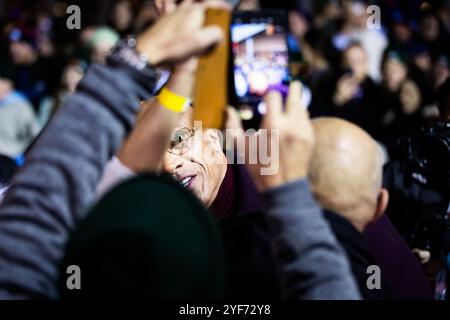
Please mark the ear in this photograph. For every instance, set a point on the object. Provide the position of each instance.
(214, 136)
(382, 203)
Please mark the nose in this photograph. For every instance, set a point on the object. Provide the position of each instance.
(172, 162)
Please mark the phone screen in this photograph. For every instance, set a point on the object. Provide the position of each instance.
(260, 59)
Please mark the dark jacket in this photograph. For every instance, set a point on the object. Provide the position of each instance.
(265, 256)
(400, 270)
(404, 276)
(354, 245)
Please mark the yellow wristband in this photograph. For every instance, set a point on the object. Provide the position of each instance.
(173, 101)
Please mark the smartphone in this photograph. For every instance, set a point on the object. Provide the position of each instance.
(259, 61)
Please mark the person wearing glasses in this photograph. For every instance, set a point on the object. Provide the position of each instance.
(195, 158)
(49, 196)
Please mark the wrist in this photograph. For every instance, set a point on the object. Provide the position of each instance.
(182, 73)
(186, 68)
(148, 45)
(181, 83)
(173, 101)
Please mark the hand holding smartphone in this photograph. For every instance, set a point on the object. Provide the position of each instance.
(240, 71)
(259, 61)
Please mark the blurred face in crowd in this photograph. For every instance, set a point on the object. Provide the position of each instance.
(46, 48)
(6, 87)
(441, 72)
(332, 10)
(423, 61)
(196, 159)
(122, 15)
(394, 73)
(297, 24)
(410, 97)
(402, 32)
(355, 59)
(430, 28)
(22, 53)
(72, 75)
(86, 35)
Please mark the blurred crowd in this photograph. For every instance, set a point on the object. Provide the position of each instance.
(309, 232)
(384, 79)
(42, 60)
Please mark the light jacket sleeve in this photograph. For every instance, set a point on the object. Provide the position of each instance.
(311, 262)
(50, 194)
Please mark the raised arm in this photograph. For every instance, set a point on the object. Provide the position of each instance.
(49, 196)
(312, 264)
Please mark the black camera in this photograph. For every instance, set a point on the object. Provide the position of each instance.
(418, 180)
(430, 157)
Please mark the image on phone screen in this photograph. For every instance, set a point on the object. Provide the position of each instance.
(260, 59)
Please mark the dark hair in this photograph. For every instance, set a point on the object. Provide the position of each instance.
(7, 169)
(443, 96)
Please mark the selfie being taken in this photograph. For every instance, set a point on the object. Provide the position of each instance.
(237, 151)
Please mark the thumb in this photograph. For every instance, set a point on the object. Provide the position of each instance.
(205, 38)
(194, 45)
(165, 6)
(233, 120)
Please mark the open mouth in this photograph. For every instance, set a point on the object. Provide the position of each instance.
(187, 182)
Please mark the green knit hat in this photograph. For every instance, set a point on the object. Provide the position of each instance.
(103, 35)
(148, 238)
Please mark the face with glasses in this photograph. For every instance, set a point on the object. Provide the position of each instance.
(195, 159)
(181, 141)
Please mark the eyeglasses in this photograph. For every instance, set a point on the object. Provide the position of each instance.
(179, 141)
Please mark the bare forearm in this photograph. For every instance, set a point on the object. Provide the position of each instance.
(144, 149)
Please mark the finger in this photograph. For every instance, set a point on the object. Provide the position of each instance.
(159, 5)
(165, 6)
(294, 98)
(171, 6)
(233, 120)
(233, 125)
(274, 103)
(202, 40)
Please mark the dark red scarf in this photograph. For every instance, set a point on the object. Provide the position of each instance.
(223, 205)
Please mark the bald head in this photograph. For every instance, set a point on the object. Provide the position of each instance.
(346, 171)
